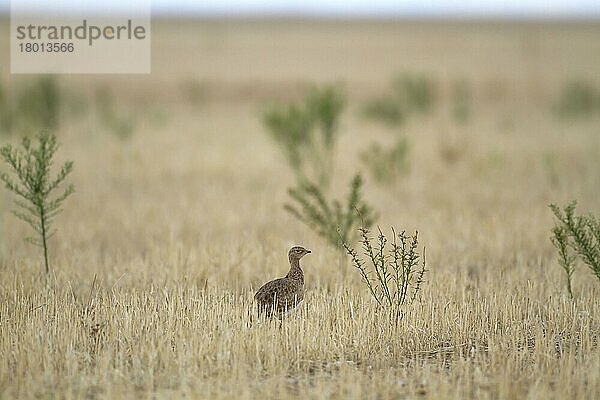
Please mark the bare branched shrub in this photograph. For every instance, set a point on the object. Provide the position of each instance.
(334, 221)
(394, 269)
(33, 186)
(307, 132)
(576, 236)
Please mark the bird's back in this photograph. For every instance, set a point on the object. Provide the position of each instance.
(279, 296)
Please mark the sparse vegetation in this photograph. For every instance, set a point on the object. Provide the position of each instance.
(460, 102)
(410, 95)
(308, 132)
(394, 269)
(33, 185)
(578, 99)
(334, 221)
(551, 168)
(576, 235)
(6, 113)
(28, 107)
(386, 111)
(415, 93)
(117, 122)
(386, 164)
(195, 91)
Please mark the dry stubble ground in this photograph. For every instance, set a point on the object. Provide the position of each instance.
(183, 221)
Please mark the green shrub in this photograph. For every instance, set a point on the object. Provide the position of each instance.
(40, 104)
(385, 165)
(325, 105)
(394, 269)
(415, 92)
(33, 186)
(461, 102)
(6, 112)
(34, 105)
(290, 127)
(576, 237)
(551, 168)
(577, 99)
(308, 131)
(196, 92)
(117, 122)
(333, 221)
(409, 95)
(385, 111)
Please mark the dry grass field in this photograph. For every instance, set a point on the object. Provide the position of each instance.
(171, 230)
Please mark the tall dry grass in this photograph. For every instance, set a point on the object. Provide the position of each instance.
(182, 336)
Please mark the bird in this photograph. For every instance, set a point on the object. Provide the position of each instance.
(281, 296)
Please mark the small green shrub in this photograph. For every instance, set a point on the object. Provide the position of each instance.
(560, 240)
(576, 237)
(28, 107)
(290, 127)
(308, 131)
(385, 111)
(461, 102)
(325, 105)
(6, 112)
(196, 92)
(415, 92)
(394, 269)
(409, 95)
(551, 168)
(40, 104)
(384, 164)
(333, 221)
(577, 99)
(33, 186)
(117, 122)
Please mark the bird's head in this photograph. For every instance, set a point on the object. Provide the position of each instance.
(297, 252)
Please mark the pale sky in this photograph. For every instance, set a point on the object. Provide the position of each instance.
(341, 8)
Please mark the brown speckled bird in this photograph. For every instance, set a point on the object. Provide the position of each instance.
(281, 296)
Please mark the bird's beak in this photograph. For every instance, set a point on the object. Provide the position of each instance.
(308, 251)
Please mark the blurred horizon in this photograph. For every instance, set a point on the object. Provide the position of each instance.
(337, 9)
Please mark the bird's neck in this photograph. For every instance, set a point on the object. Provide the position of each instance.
(295, 271)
